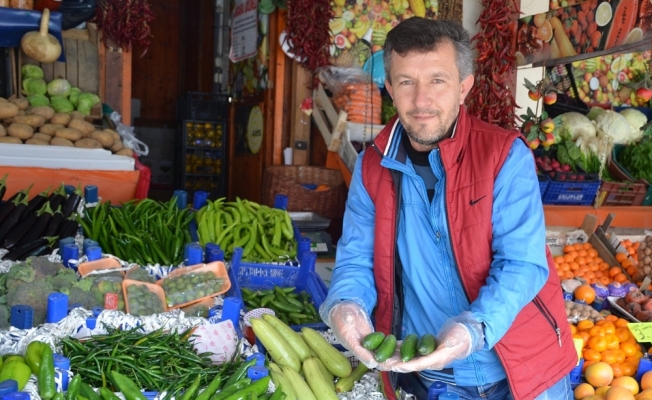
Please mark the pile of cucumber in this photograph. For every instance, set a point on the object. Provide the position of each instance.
(384, 346)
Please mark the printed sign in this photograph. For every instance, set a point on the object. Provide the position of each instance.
(642, 331)
(244, 31)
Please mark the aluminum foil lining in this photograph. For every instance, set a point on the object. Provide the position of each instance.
(368, 388)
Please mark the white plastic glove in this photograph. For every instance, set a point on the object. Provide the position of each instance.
(350, 324)
(459, 337)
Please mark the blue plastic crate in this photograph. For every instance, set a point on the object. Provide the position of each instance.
(573, 193)
(543, 184)
(254, 276)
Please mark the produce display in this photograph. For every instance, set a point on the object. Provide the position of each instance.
(265, 234)
(191, 286)
(147, 232)
(142, 301)
(361, 101)
(636, 159)
(644, 257)
(289, 306)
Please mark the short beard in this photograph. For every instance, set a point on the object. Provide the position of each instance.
(435, 136)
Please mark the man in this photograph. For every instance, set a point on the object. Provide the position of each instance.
(444, 234)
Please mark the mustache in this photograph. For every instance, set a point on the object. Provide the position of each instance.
(423, 112)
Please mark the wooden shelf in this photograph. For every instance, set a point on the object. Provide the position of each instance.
(625, 217)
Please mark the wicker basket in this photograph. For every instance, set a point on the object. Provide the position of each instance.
(288, 180)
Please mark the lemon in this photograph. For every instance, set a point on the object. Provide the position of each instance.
(603, 14)
(337, 25)
(618, 64)
(635, 35)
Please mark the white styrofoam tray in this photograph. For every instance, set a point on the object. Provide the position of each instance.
(21, 155)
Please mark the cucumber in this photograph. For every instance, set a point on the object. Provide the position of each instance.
(386, 349)
(334, 361)
(293, 338)
(426, 344)
(346, 384)
(282, 353)
(373, 340)
(317, 381)
(409, 347)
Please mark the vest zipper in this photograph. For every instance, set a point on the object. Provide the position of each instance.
(546, 313)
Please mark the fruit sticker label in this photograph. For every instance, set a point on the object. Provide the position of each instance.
(591, 26)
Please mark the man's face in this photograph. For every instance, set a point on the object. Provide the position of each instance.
(427, 93)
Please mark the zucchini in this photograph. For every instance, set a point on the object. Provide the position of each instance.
(409, 347)
(334, 361)
(327, 374)
(293, 338)
(426, 344)
(276, 345)
(386, 349)
(280, 380)
(317, 381)
(373, 340)
(346, 384)
(299, 386)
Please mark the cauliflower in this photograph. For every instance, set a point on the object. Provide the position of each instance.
(575, 125)
(615, 126)
(636, 119)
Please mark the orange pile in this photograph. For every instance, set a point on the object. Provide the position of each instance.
(582, 260)
(609, 341)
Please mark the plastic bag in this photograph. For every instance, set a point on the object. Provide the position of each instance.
(353, 92)
(144, 299)
(128, 136)
(191, 286)
(108, 283)
(139, 274)
(576, 312)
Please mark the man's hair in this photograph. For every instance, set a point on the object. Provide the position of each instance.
(424, 35)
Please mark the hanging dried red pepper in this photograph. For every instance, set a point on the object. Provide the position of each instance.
(492, 98)
(125, 22)
(307, 31)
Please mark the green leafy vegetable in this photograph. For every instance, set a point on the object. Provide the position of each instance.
(637, 159)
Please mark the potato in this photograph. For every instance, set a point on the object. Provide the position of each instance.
(77, 115)
(34, 121)
(117, 146)
(57, 141)
(88, 143)
(71, 134)
(42, 136)
(8, 110)
(103, 137)
(61, 118)
(84, 127)
(21, 112)
(125, 152)
(21, 131)
(21, 103)
(116, 135)
(37, 142)
(3, 131)
(44, 111)
(3, 100)
(49, 129)
(10, 139)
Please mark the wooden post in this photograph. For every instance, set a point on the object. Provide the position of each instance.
(300, 129)
(279, 59)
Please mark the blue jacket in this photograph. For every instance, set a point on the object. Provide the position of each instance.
(432, 289)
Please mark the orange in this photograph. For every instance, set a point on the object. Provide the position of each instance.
(608, 326)
(610, 318)
(592, 253)
(632, 270)
(614, 271)
(617, 369)
(619, 393)
(568, 275)
(564, 266)
(620, 355)
(628, 348)
(645, 395)
(608, 356)
(568, 258)
(585, 293)
(584, 325)
(591, 355)
(602, 391)
(577, 246)
(626, 264)
(598, 274)
(597, 331)
(620, 257)
(587, 246)
(599, 374)
(620, 278)
(594, 267)
(582, 253)
(646, 380)
(612, 341)
(573, 254)
(572, 328)
(633, 361)
(605, 280)
(568, 248)
(582, 390)
(623, 334)
(597, 343)
(628, 368)
(626, 382)
(574, 266)
(559, 259)
(585, 336)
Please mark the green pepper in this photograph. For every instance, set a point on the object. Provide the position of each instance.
(240, 373)
(190, 393)
(33, 355)
(258, 388)
(73, 387)
(59, 396)
(227, 391)
(47, 388)
(127, 387)
(211, 388)
(87, 391)
(107, 394)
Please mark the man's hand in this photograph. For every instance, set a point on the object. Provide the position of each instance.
(350, 324)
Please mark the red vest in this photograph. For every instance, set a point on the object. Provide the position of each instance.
(531, 352)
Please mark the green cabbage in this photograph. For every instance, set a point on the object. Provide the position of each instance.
(59, 87)
(31, 71)
(86, 102)
(61, 104)
(37, 100)
(74, 96)
(34, 86)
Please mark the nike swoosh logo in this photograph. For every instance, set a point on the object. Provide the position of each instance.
(477, 200)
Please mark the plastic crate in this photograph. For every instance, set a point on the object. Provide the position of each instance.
(621, 194)
(203, 106)
(254, 276)
(619, 172)
(574, 193)
(543, 184)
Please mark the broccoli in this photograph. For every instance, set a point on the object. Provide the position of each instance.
(19, 274)
(64, 279)
(44, 267)
(84, 284)
(85, 298)
(34, 294)
(4, 317)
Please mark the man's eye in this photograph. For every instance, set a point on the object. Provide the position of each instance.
(406, 82)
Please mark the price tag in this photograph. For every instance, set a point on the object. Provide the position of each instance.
(579, 344)
(642, 331)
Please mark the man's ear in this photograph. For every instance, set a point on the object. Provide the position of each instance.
(465, 87)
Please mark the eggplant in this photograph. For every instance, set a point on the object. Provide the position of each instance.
(3, 186)
(13, 218)
(55, 222)
(69, 228)
(71, 204)
(11, 203)
(20, 252)
(23, 227)
(41, 251)
(37, 202)
(58, 197)
(39, 227)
